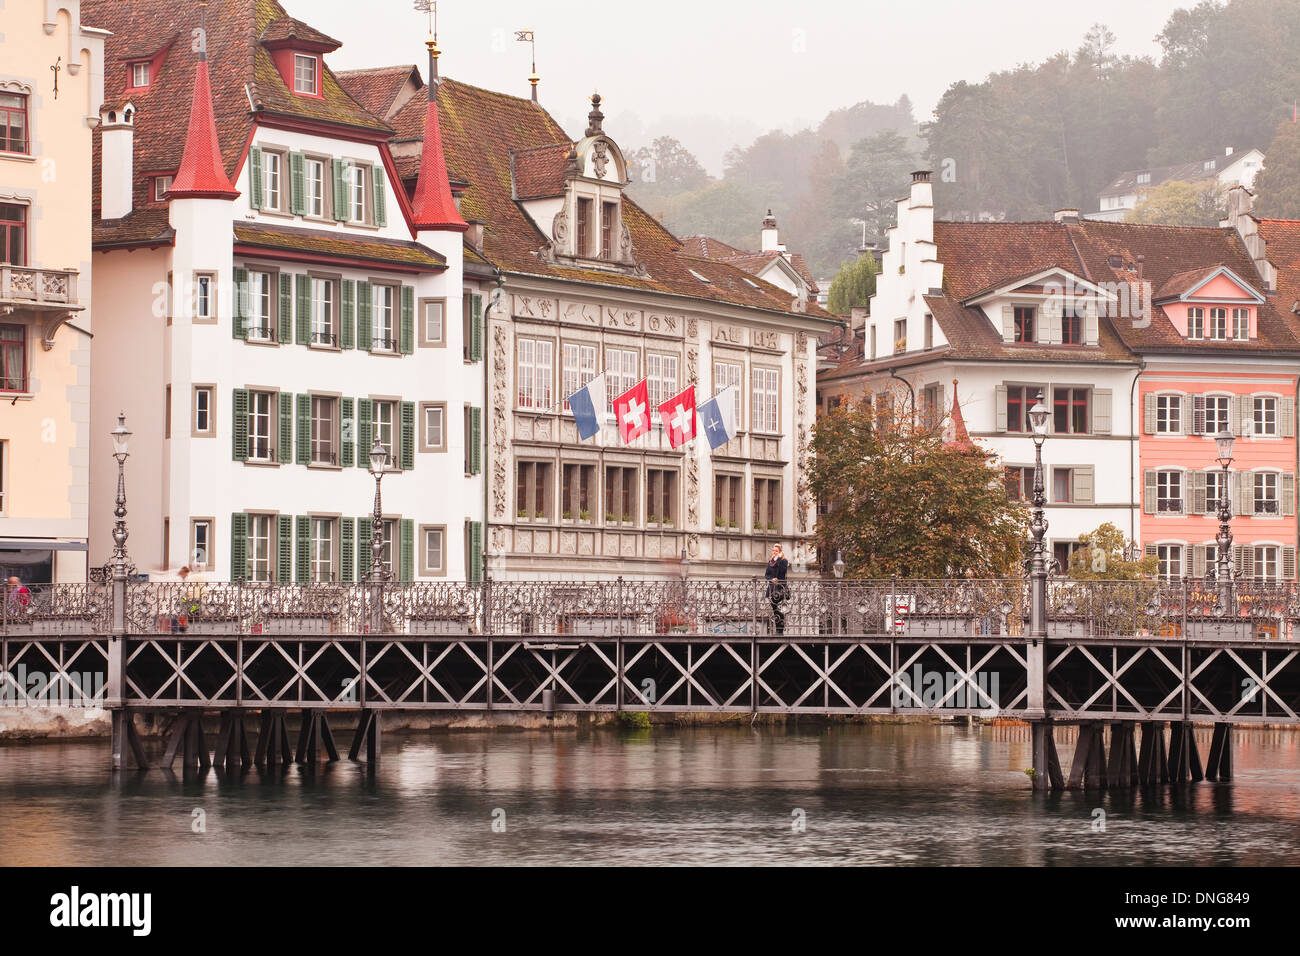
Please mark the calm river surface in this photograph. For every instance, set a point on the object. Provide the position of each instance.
(730, 795)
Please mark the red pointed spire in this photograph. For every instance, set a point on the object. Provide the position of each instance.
(961, 440)
(201, 174)
(433, 207)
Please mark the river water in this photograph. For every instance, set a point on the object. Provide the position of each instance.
(876, 794)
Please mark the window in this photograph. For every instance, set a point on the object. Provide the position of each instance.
(387, 532)
(620, 373)
(608, 216)
(304, 74)
(1218, 324)
(929, 331)
(323, 328)
(385, 309)
(1266, 563)
(261, 413)
(433, 550)
(139, 74)
(1062, 551)
(1019, 481)
(1024, 324)
(1266, 416)
(261, 328)
(767, 386)
(1266, 500)
(1217, 414)
(1169, 492)
(620, 497)
(731, 375)
(357, 177)
(13, 234)
(1169, 414)
(578, 496)
(1072, 327)
(385, 430)
(661, 373)
(322, 549)
(1171, 562)
(579, 368)
(201, 556)
(727, 502)
(1020, 399)
(535, 374)
(433, 427)
(1241, 324)
(931, 404)
(161, 184)
(432, 329)
(314, 170)
(1195, 322)
(533, 490)
(1143, 178)
(767, 505)
(1214, 491)
(324, 428)
(661, 497)
(1070, 410)
(1062, 485)
(260, 536)
(205, 297)
(13, 358)
(272, 170)
(13, 123)
(203, 425)
(900, 335)
(583, 232)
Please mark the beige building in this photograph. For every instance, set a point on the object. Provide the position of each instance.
(51, 86)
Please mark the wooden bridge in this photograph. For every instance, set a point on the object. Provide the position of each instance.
(1118, 653)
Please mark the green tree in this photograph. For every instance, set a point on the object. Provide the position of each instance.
(876, 174)
(1278, 184)
(1178, 203)
(902, 501)
(666, 167)
(1103, 556)
(852, 286)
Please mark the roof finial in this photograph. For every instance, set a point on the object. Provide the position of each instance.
(431, 8)
(203, 29)
(595, 117)
(529, 37)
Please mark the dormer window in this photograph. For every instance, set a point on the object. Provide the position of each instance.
(1143, 179)
(161, 184)
(1218, 328)
(1024, 327)
(583, 247)
(608, 218)
(1241, 324)
(140, 74)
(304, 74)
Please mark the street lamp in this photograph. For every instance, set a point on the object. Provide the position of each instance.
(1223, 540)
(1038, 526)
(378, 461)
(119, 567)
(838, 567)
(121, 444)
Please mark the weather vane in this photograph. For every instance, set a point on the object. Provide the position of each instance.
(527, 36)
(431, 8)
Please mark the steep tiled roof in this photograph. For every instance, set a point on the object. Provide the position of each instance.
(433, 206)
(146, 227)
(1282, 238)
(328, 243)
(287, 29)
(377, 89)
(709, 248)
(539, 172)
(979, 256)
(1179, 282)
(201, 175)
(751, 262)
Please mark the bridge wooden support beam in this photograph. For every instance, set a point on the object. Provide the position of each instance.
(1218, 765)
(1153, 759)
(186, 738)
(1047, 764)
(1184, 759)
(1122, 773)
(127, 746)
(312, 735)
(1088, 770)
(368, 734)
(273, 741)
(232, 742)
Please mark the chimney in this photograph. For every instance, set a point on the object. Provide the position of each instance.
(1069, 217)
(922, 194)
(857, 317)
(117, 161)
(771, 238)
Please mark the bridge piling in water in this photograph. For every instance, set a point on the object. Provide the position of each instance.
(1218, 765)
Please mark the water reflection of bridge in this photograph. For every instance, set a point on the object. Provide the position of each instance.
(1126, 654)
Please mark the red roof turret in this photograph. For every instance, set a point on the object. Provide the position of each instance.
(201, 175)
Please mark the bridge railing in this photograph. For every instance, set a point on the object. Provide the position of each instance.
(924, 608)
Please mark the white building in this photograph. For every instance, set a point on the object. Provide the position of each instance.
(1121, 196)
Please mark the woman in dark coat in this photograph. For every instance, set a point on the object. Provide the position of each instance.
(777, 590)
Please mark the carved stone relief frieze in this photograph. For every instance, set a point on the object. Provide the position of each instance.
(500, 433)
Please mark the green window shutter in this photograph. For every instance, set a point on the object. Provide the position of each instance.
(347, 429)
(347, 334)
(284, 550)
(239, 425)
(255, 177)
(298, 184)
(365, 528)
(475, 441)
(284, 448)
(365, 337)
(347, 549)
(303, 540)
(407, 451)
(365, 412)
(239, 327)
(408, 320)
(304, 429)
(304, 310)
(407, 536)
(476, 329)
(340, 189)
(284, 334)
(238, 546)
(381, 197)
(474, 573)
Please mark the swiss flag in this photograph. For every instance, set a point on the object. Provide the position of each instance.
(678, 416)
(632, 411)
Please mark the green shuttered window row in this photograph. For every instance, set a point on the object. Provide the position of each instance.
(293, 548)
(295, 306)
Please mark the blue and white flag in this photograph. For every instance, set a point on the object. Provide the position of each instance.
(718, 415)
(588, 406)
